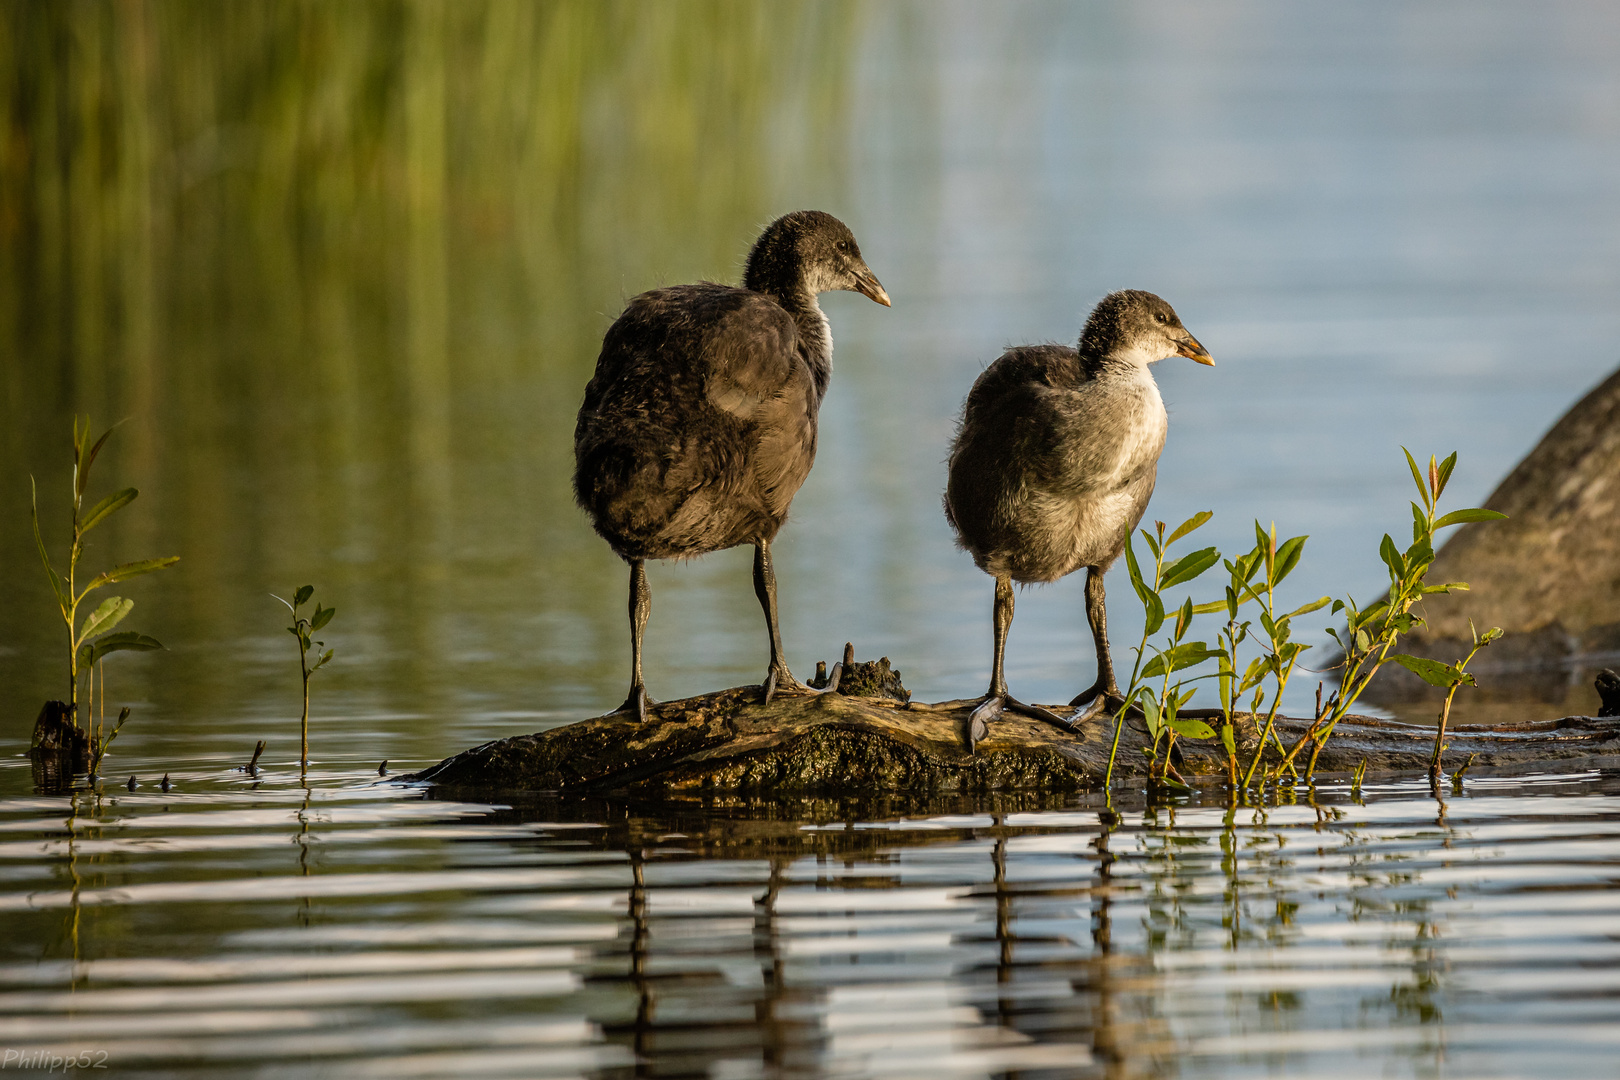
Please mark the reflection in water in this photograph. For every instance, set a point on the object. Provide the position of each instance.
(726, 937)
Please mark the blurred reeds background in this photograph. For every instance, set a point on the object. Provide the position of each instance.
(318, 254)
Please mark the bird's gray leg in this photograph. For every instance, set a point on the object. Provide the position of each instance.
(1104, 693)
(1001, 619)
(640, 608)
(778, 677)
(998, 699)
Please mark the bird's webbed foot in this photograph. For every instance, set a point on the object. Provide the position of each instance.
(1100, 697)
(779, 680)
(992, 705)
(637, 702)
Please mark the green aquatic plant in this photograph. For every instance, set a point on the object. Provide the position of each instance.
(1161, 705)
(92, 640)
(1162, 678)
(1279, 653)
(100, 740)
(304, 630)
(1368, 637)
(1448, 677)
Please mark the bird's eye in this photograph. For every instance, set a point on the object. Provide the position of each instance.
(843, 245)
(1160, 316)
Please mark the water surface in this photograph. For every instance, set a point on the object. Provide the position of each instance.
(234, 928)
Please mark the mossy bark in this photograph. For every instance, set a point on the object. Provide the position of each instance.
(728, 741)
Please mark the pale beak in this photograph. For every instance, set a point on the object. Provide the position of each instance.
(866, 283)
(1189, 347)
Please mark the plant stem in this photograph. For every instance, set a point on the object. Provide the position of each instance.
(1440, 733)
(303, 723)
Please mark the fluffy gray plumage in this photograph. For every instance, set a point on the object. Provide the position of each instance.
(1058, 448)
(1054, 463)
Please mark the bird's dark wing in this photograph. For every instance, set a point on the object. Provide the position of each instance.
(759, 377)
(688, 429)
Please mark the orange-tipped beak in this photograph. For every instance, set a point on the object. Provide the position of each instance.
(1189, 347)
(867, 283)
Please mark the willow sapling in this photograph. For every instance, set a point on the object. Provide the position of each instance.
(1370, 633)
(91, 640)
(1280, 655)
(1161, 708)
(304, 630)
(1448, 677)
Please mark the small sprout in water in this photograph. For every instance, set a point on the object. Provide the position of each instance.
(304, 630)
(89, 641)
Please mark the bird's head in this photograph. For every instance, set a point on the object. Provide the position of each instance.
(1138, 328)
(810, 250)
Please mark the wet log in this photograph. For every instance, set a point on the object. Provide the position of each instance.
(59, 749)
(831, 743)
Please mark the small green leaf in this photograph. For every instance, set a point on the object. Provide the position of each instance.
(129, 570)
(1197, 521)
(106, 508)
(104, 618)
(1417, 477)
(1288, 554)
(1432, 672)
(1184, 617)
(1306, 609)
(1135, 569)
(1228, 739)
(1154, 608)
(1459, 517)
(44, 557)
(1490, 635)
(322, 617)
(124, 641)
(1255, 674)
(1191, 729)
(1209, 608)
(302, 595)
(1369, 614)
(1189, 566)
(82, 461)
(1178, 657)
(1391, 557)
(327, 655)
(1363, 642)
(1445, 470)
(1150, 713)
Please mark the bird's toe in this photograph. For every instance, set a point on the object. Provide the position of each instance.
(637, 702)
(1035, 712)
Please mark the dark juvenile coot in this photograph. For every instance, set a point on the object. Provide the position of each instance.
(1053, 465)
(700, 422)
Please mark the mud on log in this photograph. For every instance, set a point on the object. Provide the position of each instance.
(728, 741)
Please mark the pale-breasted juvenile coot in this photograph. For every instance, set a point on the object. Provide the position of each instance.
(700, 422)
(1052, 467)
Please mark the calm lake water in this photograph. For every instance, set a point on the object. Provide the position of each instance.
(240, 929)
(342, 271)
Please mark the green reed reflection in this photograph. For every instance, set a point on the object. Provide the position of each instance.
(345, 267)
